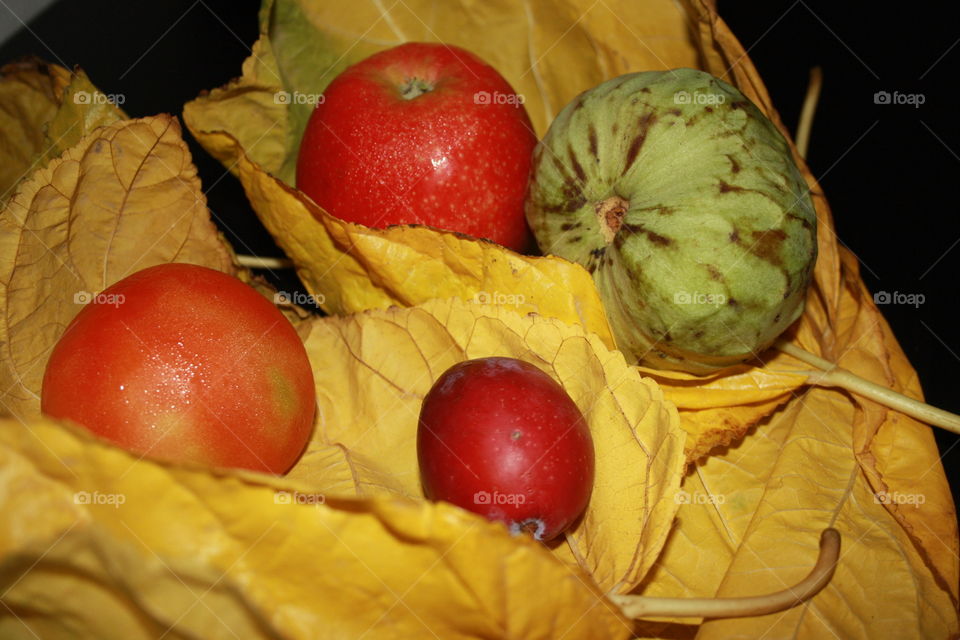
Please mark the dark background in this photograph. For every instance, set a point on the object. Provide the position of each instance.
(889, 170)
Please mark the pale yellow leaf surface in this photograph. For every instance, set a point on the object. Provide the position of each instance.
(355, 268)
(82, 109)
(95, 543)
(717, 410)
(124, 198)
(45, 109)
(30, 93)
(373, 370)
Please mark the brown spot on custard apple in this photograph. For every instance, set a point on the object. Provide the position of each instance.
(572, 200)
(714, 273)
(734, 165)
(652, 236)
(726, 187)
(592, 140)
(643, 128)
(577, 169)
(766, 245)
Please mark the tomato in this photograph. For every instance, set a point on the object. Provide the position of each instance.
(183, 363)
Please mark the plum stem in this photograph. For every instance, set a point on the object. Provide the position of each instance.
(831, 375)
(649, 607)
(257, 262)
(809, 109)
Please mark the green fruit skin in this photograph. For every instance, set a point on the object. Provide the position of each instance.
(718, 242)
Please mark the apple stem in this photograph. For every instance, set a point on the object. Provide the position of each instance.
(635, 607)
(414, 87)
(830, 375)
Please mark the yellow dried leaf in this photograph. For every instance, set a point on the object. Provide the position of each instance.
(97, 544)
(355, 268)
(30, 94)
(124, 198)
(45, 109)
(717, 410)
(373, 369)
(82, 109)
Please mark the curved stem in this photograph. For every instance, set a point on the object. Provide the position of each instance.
(833, 376)
(809, 109)
(648, 607)
(256, 262)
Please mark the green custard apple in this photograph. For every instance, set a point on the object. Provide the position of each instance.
(683, 201)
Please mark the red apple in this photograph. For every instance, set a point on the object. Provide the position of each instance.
(421, 133)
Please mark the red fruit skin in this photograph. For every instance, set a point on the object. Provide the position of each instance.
(187, 364)
(442, 159)
(504, 427)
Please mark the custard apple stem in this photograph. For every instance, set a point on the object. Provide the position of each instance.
(258, 262)
(830, 375)
(635, 607)
(809, 109)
